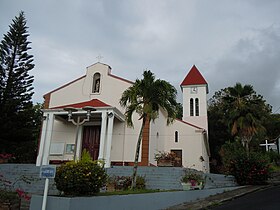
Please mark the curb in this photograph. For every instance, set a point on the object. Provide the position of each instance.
(218, 199)
(245, 193)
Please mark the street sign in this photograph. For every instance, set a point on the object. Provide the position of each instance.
(47, 171)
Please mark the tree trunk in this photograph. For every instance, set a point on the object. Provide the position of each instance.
(247, 148)
(245, 143)
(133, 184)
(145, 143)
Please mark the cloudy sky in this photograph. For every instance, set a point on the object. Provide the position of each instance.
(229, 41)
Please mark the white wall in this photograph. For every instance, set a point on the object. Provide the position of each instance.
(111, 89)
(125, 138)
(80, 90)
(200, 120)
(63, 133)
(190, 141)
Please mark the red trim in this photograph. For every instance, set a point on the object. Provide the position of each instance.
(59, 162)
(93, 102)
(63, 86)
(47, 95)
(189, 124)
(120, 78)
(194, 77)
(119, 163)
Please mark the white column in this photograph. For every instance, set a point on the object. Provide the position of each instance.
(109, 141)
(42, 139)
(49, 130)
(102, 136)
(79, 142)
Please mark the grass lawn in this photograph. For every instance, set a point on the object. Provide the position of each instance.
(127, 192)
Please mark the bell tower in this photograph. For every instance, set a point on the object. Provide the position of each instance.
(195, 90)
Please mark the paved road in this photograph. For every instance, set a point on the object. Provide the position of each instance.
(268, 199)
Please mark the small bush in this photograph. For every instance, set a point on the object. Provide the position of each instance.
(252, 169)
(84, 177)
(7, 196)
(124, 182)
(274, 157)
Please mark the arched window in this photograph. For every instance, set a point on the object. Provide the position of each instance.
(191, 107)
(96, 83)
(176, 136)
(196, 107)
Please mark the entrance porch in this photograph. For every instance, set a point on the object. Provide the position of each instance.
(61, 138)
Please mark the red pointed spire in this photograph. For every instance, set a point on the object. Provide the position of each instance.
(194, 77)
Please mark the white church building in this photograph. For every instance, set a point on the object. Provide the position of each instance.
(105, 134)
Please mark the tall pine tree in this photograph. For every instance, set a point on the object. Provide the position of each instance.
(16, 88)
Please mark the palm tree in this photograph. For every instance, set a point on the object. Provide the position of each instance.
(146, 97)
(243, 105)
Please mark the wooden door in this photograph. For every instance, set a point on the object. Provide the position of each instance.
(178, 160)
(91, 140)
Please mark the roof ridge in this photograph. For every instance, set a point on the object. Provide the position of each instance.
(92, 102)
(194, 77)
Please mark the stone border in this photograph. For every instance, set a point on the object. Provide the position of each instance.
(147, 201)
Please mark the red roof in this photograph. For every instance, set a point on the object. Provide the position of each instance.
(189, 124)
(194, 77)
(94, 103)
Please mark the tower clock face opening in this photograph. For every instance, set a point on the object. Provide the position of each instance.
(194, 90)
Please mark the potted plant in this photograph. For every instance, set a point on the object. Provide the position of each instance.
(192, 180)
(164, 158)
(9, 200)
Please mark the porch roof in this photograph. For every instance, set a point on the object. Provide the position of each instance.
(99, 105)
(94, 103)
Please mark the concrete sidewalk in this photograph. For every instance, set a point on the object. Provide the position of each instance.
(218, 198)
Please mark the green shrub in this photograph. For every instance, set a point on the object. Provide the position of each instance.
(124, 182)
(231, 151)
(274, 157)
(140, 182)
(252, 169)
(84, 177)
(7, 196)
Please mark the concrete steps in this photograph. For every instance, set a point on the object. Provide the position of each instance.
(275, 178)
(169, 178)
(164, 178)
(219, 181)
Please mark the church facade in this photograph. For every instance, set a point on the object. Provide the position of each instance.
(86, 114)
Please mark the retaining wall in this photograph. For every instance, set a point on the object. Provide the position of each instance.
(148, 201)
(26, 177)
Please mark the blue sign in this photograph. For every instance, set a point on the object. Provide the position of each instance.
(47, 171)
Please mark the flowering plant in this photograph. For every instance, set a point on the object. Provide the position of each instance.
(5, 157)
(162, 155)
(193, 177)
(124, 182)
(7, 191)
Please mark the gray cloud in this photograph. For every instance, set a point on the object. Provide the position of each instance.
(253, 61)
(229, 41)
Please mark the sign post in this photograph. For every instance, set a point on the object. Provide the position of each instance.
(47, 172)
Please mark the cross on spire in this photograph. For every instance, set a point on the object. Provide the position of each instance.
(99, 57)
